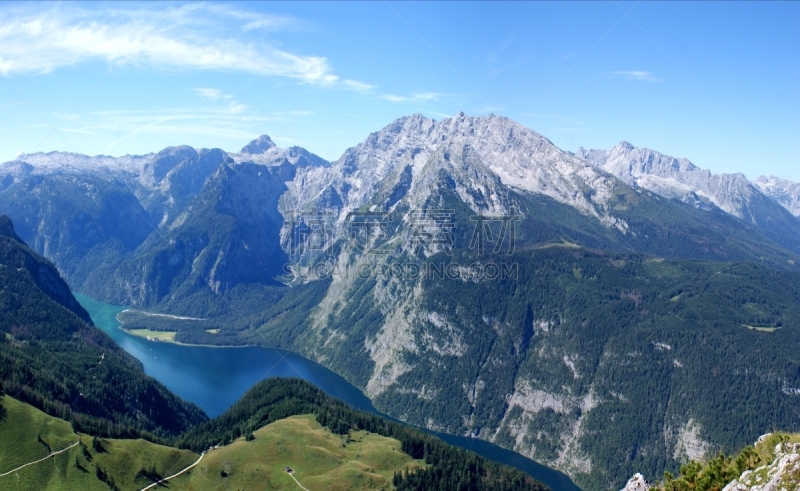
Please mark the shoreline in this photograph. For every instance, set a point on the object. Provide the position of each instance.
(317, 373)
(128, 332)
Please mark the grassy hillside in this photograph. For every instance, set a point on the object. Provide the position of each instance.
(320, 460)
(279, 423)
(447, 467)
(27, 435)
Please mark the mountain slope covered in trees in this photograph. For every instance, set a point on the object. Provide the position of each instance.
(52, 357)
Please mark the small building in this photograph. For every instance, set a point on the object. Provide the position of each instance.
(288, 469)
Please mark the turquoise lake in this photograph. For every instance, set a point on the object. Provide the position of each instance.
(216, 377)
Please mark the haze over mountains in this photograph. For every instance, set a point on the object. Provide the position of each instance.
(634, 278)
(498, 153)
(128, 212)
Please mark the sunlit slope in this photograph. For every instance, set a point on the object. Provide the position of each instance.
(318, 458)
(26, 433)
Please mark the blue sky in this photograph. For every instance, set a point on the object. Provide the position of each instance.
(715, 82)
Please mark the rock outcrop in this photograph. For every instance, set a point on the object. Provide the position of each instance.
(637, 483)
(782, 474)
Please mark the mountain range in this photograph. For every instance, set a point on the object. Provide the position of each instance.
(126, 213)
(590, 310)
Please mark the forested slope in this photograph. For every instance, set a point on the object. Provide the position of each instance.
(449, 467)
(52, 357)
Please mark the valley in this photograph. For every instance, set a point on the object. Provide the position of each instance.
(408, 246)
(587, 310)
(66, 378)
(215, 378)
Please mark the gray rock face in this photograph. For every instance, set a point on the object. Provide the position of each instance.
(492, 150)
(259, 145)
(765, 204)
(637, 483)
(675, 178)
(783, 191)
(781, 474)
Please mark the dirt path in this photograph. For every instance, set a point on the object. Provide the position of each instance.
(40, 460)
(174, 475)
(298, 482)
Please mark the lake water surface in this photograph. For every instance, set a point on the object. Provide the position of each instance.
(216, 377)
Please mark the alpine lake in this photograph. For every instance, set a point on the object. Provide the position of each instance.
(214, 378)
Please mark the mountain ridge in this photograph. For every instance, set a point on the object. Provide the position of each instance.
(609, 277)
(680, 179)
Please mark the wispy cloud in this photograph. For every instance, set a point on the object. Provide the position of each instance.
(491, 109)
(415, 97)
(212, 15)
(40, 41)
(362, 87)
(212, 94)
(639, 75)
(233, 121)
(551, 123)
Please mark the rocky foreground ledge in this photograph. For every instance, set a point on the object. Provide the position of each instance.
(767, 466)
(637, 483)
(782, 474)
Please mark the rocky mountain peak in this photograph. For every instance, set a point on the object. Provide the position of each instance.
(674, 177)
(11, 171)
(783, 191)
(259, 145)
(167, 159)
(637, 483)
(17, 168)
(623, 146)
(409, 151)
(763, 203)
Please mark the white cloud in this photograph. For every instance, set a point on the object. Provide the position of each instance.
(212, 94)
(37, 41)
(210, 14)
(268, 23)
(358, 86)
(415, 97)
(639, 75)
(233, 121)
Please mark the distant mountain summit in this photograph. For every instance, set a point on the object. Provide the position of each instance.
(783, 191)
(766, 204)
(259, 145)
(675, 178)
